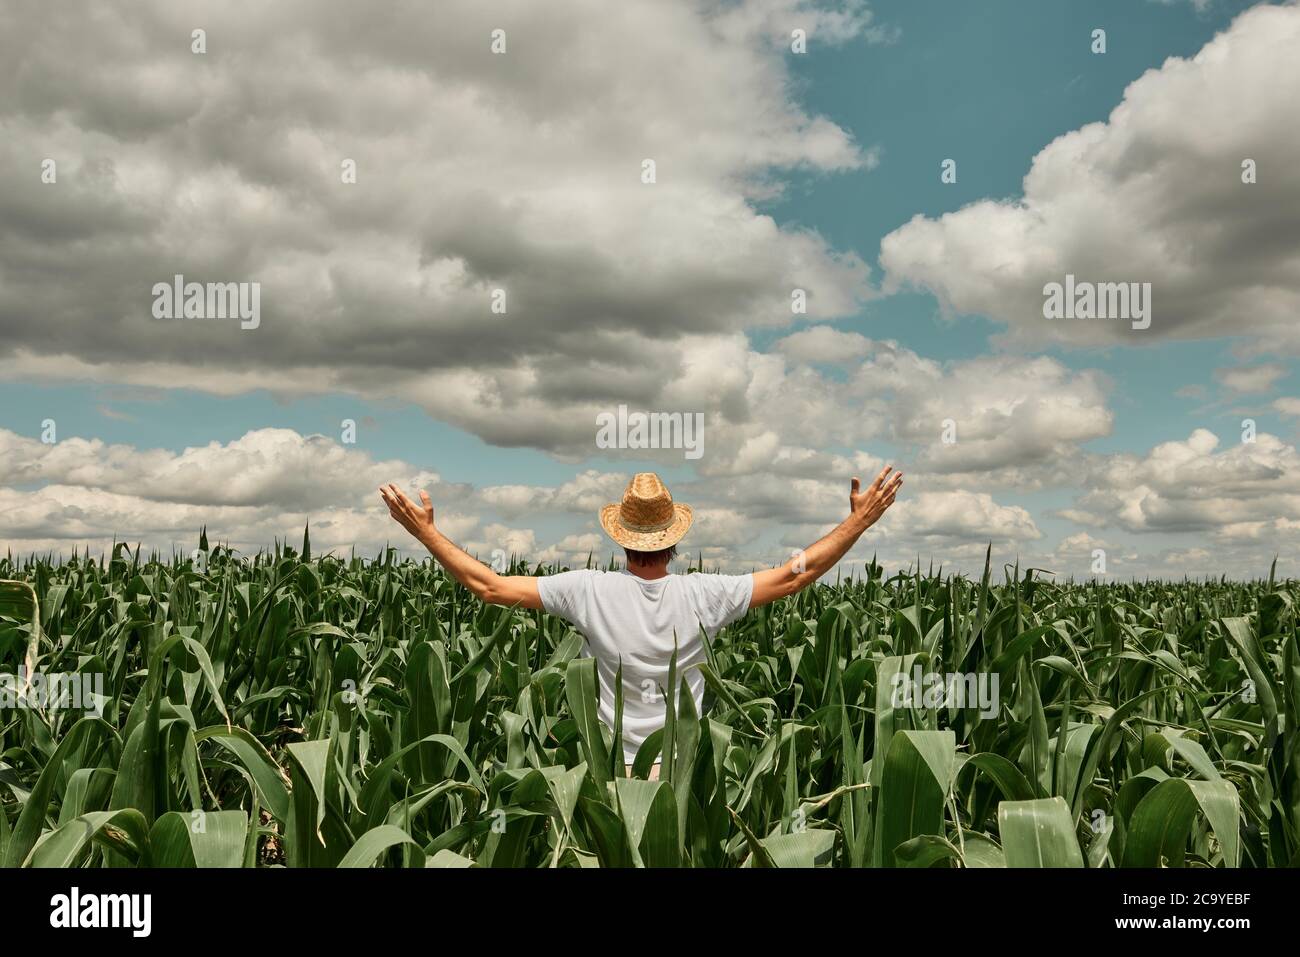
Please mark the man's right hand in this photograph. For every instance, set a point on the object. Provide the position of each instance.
(868, 506)
(813, 562)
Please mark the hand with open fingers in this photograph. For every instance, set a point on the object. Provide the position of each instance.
(416, 518)
(869, 505)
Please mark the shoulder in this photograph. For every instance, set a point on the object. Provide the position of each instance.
(719, 599)
(577, 578)
(713, 586)
(711, 580)
(561, 591)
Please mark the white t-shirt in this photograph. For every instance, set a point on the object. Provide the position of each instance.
(624, 616)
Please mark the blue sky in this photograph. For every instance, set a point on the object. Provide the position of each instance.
(897, 86)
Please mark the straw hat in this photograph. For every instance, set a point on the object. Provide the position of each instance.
(647, 519)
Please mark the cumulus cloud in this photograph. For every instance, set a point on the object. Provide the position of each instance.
(583, 494)
(1244, 490)
(498, 544)
(774, 20)
(1154, 194)
(61, 518)
(991, 412)
(1251, 379)
(921, 521)
(270, 483)
(824, 344)
(519, 175)
(1078, 545)
(1287, 405)
(1002, 414)
(962, 515)
(573, 550)
(266, 485)
(263, 467)
(476, 172)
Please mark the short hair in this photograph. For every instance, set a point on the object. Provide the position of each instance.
(650, 558)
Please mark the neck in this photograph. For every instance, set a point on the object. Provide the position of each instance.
(649, 572)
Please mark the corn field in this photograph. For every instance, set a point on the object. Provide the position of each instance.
(285, 710)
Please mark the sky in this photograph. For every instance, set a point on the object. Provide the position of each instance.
(829, 230)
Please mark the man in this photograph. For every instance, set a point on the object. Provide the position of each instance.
(637, 616)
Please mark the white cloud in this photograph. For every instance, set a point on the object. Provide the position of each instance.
(583, 494)
(1154, 194)
(267, 484)
(263, 467)
(497, 543)
(1251, 379)
(475, 172)
(824, 344)
(973, 517)
(573, 550)
(1009, 413)
(270, 483)
(63, 517)
(999, 411)
(1194, 485)
(924, 520)
(521, 172)
(1200, 5)
(1287, 405)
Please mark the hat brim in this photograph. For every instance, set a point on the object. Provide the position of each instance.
(647, 541)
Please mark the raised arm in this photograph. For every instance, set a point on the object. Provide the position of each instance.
(814, 561)
(486, 584)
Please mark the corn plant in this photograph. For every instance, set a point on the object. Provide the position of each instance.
(285, 710)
